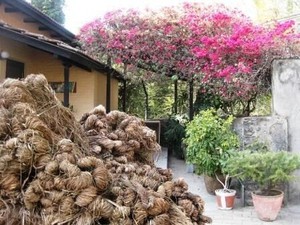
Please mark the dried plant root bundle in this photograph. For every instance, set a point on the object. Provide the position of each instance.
(100, 170)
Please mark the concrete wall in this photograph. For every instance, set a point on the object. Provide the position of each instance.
(271, 130)
(281, 131)
(286, 97)
(286, 103)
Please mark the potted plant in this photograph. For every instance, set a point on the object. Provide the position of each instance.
(209, 139)
(225, 196)
(269, 169)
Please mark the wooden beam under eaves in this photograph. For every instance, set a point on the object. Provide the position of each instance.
(59, 37)
(55, 35)
(10, 10)
(43, 28)
(30, 20)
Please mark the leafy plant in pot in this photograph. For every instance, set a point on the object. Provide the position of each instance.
(210, 139)
(269, 169)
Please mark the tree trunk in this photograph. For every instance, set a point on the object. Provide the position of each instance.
(175, 96)
(191, 99)
(146, 100)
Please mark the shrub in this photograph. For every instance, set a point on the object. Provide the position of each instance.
(267, 168)
(209, 139)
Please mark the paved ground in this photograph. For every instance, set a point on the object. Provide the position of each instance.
(289, 215)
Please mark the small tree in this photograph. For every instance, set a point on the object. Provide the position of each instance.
(52, 8)
(210, 139)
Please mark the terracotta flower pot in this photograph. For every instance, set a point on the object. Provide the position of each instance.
(225, 199)
(267, 207)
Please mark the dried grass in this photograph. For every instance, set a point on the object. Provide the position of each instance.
(139, 213)
(10, 182)
(89, 163)
(4, 123)
(162, 219)
(187, 206)
(100, 207)
(84, 180)
(86, 196)
(101, 177)
(157, 206)
(68, 169)
(178, 217)
(54, 170)
(129, 197)
(68, 207)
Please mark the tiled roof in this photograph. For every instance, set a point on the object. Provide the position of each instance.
(54, 46)
(36, 16)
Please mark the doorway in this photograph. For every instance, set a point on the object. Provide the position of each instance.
(14, 69)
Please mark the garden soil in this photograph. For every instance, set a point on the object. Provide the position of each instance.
(100, 170)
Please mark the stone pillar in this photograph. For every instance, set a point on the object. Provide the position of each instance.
(286, 103)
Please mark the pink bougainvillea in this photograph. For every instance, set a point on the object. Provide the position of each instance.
(213, 45)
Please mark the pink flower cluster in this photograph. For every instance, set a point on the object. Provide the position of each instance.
(213, 44)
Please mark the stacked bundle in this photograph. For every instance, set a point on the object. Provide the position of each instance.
(55, 171)
(119, 134)
(128, 148)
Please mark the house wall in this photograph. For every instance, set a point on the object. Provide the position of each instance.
(18, 52)
(100, 87)
(90, 86)
(114, 94)
(16, 19)
(2, 66)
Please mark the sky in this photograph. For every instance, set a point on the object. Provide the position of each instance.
(80, 12)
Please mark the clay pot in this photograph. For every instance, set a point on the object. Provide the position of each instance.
(225, 198)
(212, 184)
(267, 207)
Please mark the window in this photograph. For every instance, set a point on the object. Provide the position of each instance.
(14, 69)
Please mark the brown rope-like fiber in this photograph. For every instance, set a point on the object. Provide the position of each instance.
(100, 170)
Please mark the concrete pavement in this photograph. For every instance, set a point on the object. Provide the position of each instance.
(289, 214)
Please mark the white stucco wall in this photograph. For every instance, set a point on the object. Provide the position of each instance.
(286, 103)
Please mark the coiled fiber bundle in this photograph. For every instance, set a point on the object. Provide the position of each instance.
(54, 170)
(120, 134)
